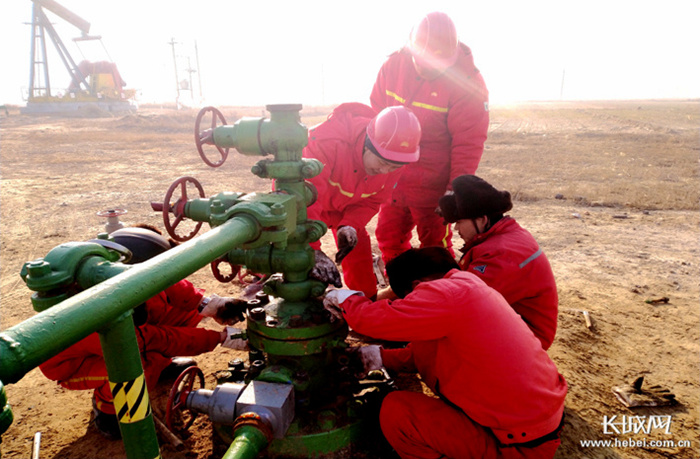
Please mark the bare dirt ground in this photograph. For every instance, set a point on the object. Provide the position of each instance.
(610, 190)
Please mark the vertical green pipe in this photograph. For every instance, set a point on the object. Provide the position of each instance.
(247, 444)
(128, 384)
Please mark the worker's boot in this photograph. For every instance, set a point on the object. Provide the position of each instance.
(176, 367)
(107, 424)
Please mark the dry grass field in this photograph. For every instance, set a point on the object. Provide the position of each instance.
(609, 189)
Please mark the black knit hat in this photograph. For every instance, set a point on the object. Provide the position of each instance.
(415, 264)
(143, 243)
(473, 197)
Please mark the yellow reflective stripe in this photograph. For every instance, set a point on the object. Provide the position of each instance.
(352, 195)
(85, 378)
(100, 405)
(131, 400)
(447, 235)
(395, 96)
(430, 107)
(434, 108)
(340, 188)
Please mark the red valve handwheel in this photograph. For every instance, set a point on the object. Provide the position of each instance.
(178, 209)
(215, 115)
(182, 387)
(235, 269)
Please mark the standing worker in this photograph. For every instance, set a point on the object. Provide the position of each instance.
(362, 156)
(166, 327)
(435, 77)
(502, 253)
(499, 395)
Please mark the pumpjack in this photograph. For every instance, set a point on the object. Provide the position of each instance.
(94, 86)
(298, 394)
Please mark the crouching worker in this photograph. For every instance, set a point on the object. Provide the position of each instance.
(500, 395)
(363, 154)
(166, 326)
(502, 253)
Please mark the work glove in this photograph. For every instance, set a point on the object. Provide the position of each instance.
(347, 240)
(325, 270)
(365, 359)
(334, 299)
(633, 395)
(235, 339)
(224, 310)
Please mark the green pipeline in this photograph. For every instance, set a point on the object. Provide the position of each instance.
(28, 344)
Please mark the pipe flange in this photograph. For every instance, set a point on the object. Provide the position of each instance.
(253, 420)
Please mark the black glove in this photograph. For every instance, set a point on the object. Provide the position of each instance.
(224, 310)
(325, 270)
(347, 240)
(365, 359)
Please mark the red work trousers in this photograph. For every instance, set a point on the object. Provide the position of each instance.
(358, 270)
(93, 375)
(422, 427)
(395, 226)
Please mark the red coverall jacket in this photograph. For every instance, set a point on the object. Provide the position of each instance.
(472, 349)
(453, 113)
(347, 196)
(509, 260)
(171, 330)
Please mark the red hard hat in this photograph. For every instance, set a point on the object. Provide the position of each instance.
(395, 134)
(433, 41)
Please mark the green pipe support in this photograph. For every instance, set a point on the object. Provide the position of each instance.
(32, 342)
(247, 444)
(128, 385)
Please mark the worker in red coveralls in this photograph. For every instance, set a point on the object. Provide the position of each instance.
(363, 155)
(435, 77)
(166, 327)
(502, 253)
(499, 395)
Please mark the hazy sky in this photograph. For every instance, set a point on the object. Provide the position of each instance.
(327, 52)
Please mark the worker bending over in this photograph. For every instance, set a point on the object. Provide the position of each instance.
(435, 77)
(363, 154)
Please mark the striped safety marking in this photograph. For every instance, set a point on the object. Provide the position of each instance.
(131, 400)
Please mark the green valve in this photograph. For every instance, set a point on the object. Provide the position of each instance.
(83, 287)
